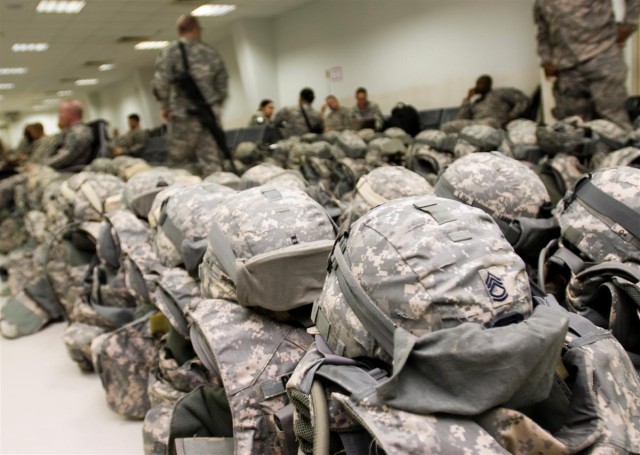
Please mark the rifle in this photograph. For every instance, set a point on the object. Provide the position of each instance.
(204, 112)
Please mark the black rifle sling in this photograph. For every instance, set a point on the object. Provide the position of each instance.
(205, 113)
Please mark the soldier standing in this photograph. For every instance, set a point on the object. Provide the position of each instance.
(580, 44)
(301, 118)
(191, 143)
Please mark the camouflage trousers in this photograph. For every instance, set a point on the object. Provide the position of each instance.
(192, 147)
(595, 88)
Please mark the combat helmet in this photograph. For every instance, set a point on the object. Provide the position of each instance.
(509, 191)
(423, 263)
(599, 216)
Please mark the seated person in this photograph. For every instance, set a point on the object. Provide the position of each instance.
(132, 142)
(301, 118)
(72, 146)
(263, 116)
(336, 117)
(492, 107)
(365, 109)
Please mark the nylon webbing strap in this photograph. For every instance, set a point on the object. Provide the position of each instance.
(374, 320)
(565, 257)
(579, 325)
(171, 231)
(613, 209)
(222, 248)
(353, 379)
(115, 315)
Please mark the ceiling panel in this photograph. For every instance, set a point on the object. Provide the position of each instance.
(93, 35)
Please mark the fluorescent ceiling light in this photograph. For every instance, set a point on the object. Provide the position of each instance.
(149, 45)
(12, 71)
(51, 101)
(106, 67)
(60, 6)
(63, 93)
(87, 82)
(41, 108)
(30, 47)
(7, 86)
(213, 10)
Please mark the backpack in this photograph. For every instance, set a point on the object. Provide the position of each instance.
(412, 378)
(184, 220)
(406, 117)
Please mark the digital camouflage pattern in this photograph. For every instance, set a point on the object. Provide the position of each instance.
(345, 175)
(500, 106)
(124, 359)
(273, 175)
(132, 142)
(596, 237)
(574, 32)
(83, 197)
(427, 161)
(254, 356)
(520, 141)
(291, 120)
(156, 429)
(501, 186)
(73, 148)
(477, 138)
(299, 390)
(352, 144)
(176, 293)
(559, 173)
(12, 233)
(386, 150)
(399, 432)
(188, 139)
(404, 257)
(580, 40)
(228, 179)
(628, 156)
(602, 416)
(370, 110)
(384, 184)
(141, 189)
(77, 338)
(189, 210)
(126, 167)
(367, 134)
(262, 220)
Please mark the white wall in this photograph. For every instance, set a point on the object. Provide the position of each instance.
(12, 135)
(236, 111)
(427, 53)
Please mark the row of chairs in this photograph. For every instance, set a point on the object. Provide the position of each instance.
(155, 151)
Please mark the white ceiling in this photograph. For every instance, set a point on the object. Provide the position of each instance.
(93, 35)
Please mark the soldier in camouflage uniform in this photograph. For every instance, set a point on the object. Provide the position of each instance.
(365, 109)
(263, 116)
(581, 45)
(300, 119)
(73, 146)
(485, 105)
(133, 141)
(338, 117)
(189, 140)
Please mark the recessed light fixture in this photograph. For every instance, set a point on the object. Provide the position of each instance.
(7, 86)
(60, 6)
(151, 45)
(12, 71)
(213, 10)
(30, 47)
(106, 67)
(63, 93)
(82, 82)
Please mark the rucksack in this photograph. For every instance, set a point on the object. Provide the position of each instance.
(406, 117)
(447, 340)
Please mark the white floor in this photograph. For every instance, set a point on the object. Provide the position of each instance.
(47, 406)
